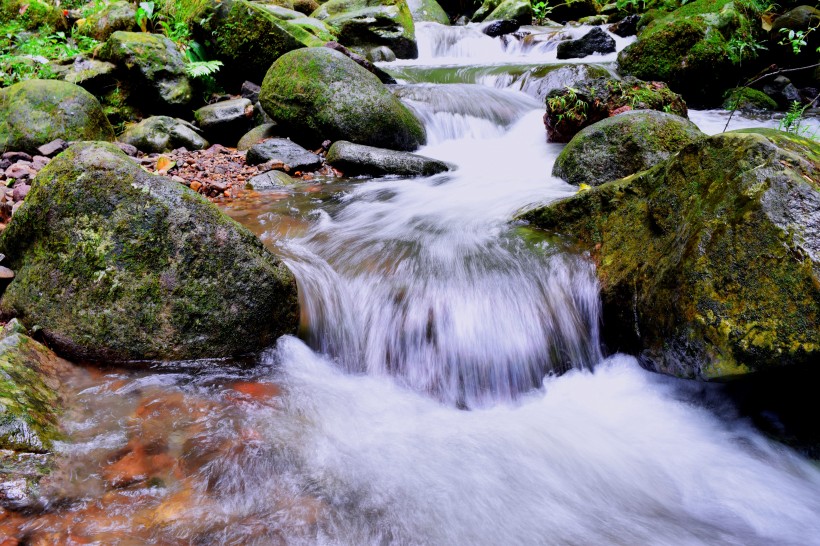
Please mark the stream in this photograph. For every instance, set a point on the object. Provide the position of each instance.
(447, 386)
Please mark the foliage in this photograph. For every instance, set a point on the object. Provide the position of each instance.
(794, 122)
(200, 69)
(796, 38)
(568, 106)
(540, 11)
(145, 14)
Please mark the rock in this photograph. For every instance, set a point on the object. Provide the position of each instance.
(305, 7)
(594, 20)
(30, 390)
(286, 151)
(689, 50)
(256, 135)
(38, 162)
(18, 171)
(270, 180)
(500, 28)
(365, 24)
(52, 148)
(515, 10)
(487, 7)
(15, 156)
(32, 14)
(226, 121)
(356, 159)
(573, 11)
(621, 145)
(383, 76)
(539, 81)
(249, 36)
(117, 265)
(20, 191)
(128, 149)
(250, 91)
(318, 94)
(748, 100)
(381, 54)
(159, 134)
(782, 91)
(35, 112)
(155, 64)
(594, 41)
(92, 75)
(111, 17)
(709, 262)
(801, 18)
(571, 109)
(428, 11)
(628, 26)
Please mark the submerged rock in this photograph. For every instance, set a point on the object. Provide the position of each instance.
(622, 145)
(594, 41)
(270, 180)
(356, 159)
(709, 263)
(572, 108)
(159, 134)
(500, 28)
(115, 264)
(317, 94)
(36, 112)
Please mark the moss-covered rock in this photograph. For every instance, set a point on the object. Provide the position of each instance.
(156, 66)
(225, 121)
(709, 263)
(32, 14)
(570, 109)
(249, 36)
(748, 99)
(159, 134)
(693, 49)
(115, 264)
(35, 112)
(30, 398)
(428, 10)
(512, 10)
(113, 16)
(364, 24)
(622, 145)
(316, 94)
(572, 10)
(256, 135)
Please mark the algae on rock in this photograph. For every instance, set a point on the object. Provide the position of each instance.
(115, 264)
(709, 263)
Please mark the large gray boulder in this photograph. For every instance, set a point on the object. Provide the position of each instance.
(35, 112)
(115, 264)
(159, 134)
(318, 94)
(225, 121)
(156, 66)
(356, 159)
(622, 145)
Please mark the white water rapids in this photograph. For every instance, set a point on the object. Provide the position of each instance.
(449, 390)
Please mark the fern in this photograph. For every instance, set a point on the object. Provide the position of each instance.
(201, 69)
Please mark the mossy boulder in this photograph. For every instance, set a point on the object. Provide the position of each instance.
(115, 264)
(512, 10)
(225, 121)
(428, 11)
(709, 263)
(563, 11)
(318, 94)
(30, 398)
(539, 81)
(748, 99)
(113, 16)
(249, 36)
(622, 145)
(32, 14)
(484, 10)
(570, 109)
(159, 134)
(364, 24)
(155, 65)
(256, 135)
(35, 112)
(690, 49)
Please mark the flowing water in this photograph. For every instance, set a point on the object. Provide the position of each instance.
(448, 386)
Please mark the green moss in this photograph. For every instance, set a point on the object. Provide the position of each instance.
(745, 98)
(708, 256)
(117, 264)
